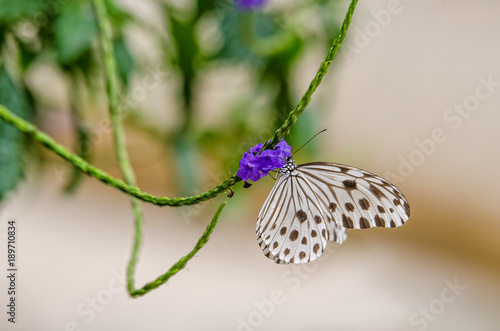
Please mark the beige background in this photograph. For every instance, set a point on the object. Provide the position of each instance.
(394, 90)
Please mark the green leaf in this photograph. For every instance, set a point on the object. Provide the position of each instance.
(3, 32)
(27, 54)
(187, 53)
(11, 140)
(11, 10)
(124, 61)
(205, 6)
(74, 29)
(119, 18)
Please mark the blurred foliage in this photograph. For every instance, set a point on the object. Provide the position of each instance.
(62, 35)
(11, 140)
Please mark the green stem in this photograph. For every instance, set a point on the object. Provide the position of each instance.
(177, 266)
(33, 132)
(106, 40)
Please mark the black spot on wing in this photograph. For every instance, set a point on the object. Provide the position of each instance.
(376, 192)
(379, 221)
(349, 206)
(347, 222)
(301, 215)
(332, 207)
(407, 208)
(364, 223)
(349, 184)
(364, 203)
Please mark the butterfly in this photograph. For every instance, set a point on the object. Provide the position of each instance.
(314, 203)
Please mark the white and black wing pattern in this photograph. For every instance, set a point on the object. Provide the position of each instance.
(355, 198)
(291, 226)
(314, 203)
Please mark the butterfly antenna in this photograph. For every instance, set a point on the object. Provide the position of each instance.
(309, 140)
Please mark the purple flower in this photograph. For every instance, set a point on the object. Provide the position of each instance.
(249, 168)
(256, 149)
(250, 4)
(255, 167)
(268, 160)
(283, 149)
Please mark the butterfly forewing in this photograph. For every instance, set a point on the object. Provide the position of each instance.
(356, 198)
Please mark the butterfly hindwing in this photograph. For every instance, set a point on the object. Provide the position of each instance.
(337, 233)
(291, 227)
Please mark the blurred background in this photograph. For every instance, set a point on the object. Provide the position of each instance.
(413, 96)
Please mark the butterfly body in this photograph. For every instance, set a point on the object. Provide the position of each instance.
(290, 168)
(313, 203)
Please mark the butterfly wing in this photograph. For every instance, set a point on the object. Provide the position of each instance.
(356, 199)
(291, 226)
(338, 233)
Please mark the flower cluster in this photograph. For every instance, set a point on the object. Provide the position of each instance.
(254, 166)
(250, 4)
